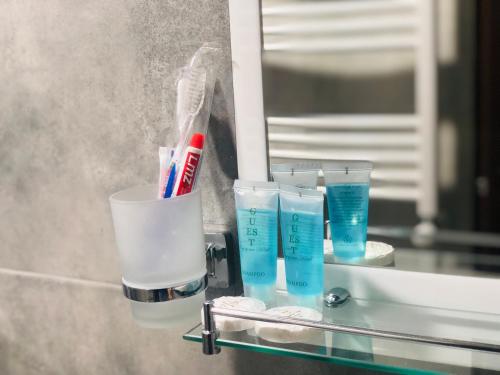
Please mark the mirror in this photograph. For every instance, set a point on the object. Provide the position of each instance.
(406, 85)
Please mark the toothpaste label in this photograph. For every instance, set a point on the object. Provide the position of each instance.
(188, 173)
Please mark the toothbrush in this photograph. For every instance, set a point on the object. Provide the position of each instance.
(190, 99)
(170, 184)
(165, 155)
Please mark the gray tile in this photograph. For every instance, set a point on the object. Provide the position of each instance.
(65, 328)
(61, 327)
(88, 96)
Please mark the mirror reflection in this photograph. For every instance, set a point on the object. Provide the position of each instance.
(403, 84)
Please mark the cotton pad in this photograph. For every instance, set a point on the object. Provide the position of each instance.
(228, 324)
(287, 333)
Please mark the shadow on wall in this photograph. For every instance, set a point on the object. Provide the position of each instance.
(219, 129)
(222, 170)
(221, 167)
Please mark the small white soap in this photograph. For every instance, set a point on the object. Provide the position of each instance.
(287, 333)
(377, 254)
(228, 324)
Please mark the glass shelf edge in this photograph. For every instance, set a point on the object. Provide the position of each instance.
(375, 333)
(345, 362)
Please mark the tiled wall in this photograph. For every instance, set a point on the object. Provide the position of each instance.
(86, 97)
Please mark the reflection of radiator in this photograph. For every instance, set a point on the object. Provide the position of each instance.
(401, 146)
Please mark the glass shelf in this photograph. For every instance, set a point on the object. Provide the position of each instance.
(381, 354)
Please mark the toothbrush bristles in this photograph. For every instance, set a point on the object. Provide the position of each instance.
(195, 91)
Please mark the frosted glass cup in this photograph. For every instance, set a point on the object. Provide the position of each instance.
(162, 252)
(347, 190)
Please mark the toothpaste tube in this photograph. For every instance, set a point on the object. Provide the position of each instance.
(190, 165)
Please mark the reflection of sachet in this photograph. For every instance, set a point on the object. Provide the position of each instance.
(347, 345)
(299, 174)
(348, 213)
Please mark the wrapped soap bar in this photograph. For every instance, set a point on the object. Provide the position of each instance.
(287, 333)
(229, 324)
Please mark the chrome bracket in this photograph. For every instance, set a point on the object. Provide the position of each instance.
(209, 333)
(185, 290)
(220, 260)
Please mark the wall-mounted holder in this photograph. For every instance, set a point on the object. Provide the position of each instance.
(164, 255)
(219, 274)
(222, 265)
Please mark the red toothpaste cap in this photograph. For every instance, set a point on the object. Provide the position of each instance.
(197, 141)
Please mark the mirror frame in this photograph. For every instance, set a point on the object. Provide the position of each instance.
(246, 50)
